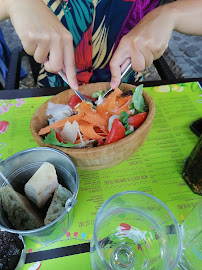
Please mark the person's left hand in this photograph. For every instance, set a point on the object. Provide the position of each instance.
(145, 43)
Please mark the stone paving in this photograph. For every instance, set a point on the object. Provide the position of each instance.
(183, 55)
(187, 53)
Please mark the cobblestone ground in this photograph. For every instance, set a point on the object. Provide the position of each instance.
(183, 55)
(187, 52)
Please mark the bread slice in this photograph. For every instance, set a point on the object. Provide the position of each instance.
(21, 213)
(42, 184)
(57, 206)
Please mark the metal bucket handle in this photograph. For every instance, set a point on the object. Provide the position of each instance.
(70, 203)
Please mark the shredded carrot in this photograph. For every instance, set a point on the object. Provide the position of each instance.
(103, 113)
(125, 108)
(92, 116)
(95, 118)
(100, 131)
(110, 105)
(121, 104)
(61, 123)
(83, 107)
(124, 100)
(88, 131)
(110, 102)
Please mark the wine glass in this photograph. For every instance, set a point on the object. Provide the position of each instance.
(191, 228)
(135, 230)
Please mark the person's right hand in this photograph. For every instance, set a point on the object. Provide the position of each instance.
(43, 36)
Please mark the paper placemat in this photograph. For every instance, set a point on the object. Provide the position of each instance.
(156, 168)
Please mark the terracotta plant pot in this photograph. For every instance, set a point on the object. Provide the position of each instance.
(101, 157)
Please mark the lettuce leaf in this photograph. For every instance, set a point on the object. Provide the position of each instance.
(124, 121)
(137, 102)
(97, 94)
(51, 139)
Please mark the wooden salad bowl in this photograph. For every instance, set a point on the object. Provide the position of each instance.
(101, 157)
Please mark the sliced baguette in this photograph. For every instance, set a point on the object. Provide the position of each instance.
(57, 206)
(21, 214)
(42, 184)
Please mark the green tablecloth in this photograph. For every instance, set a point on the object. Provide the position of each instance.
(156, 168)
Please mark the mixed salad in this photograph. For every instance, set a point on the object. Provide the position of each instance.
(100, 122)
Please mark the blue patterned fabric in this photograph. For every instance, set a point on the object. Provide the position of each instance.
(5, 55)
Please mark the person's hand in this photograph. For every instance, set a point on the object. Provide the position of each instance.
(145, 43)
(43, 36)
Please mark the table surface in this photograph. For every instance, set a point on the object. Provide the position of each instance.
(34, 92)
(156, 168)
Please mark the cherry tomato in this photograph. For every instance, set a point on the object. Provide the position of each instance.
(74, 100)
(116, 133)
(137, 119)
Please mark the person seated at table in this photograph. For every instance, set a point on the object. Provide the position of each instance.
(98, 38)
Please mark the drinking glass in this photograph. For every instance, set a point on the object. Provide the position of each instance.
(191, 229)
(135, 230)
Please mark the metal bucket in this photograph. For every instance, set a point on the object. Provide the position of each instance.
(22, 256)
(19, 168)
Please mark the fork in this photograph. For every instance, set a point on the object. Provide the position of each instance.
(124, 74)
(63, 76)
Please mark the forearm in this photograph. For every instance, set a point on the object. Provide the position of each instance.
(187, 16)
(7, 5)
(3, 10)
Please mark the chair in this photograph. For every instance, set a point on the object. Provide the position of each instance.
(13, 76)
(4, 59)
(10, 65)
(1, 86)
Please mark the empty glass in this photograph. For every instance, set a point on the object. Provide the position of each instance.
(135, 230)
(191, 228)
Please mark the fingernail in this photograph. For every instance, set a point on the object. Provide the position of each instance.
(76, 87)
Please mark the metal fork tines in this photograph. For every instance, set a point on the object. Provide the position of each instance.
(63, 76)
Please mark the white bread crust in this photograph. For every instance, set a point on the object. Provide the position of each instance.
(42, 184)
